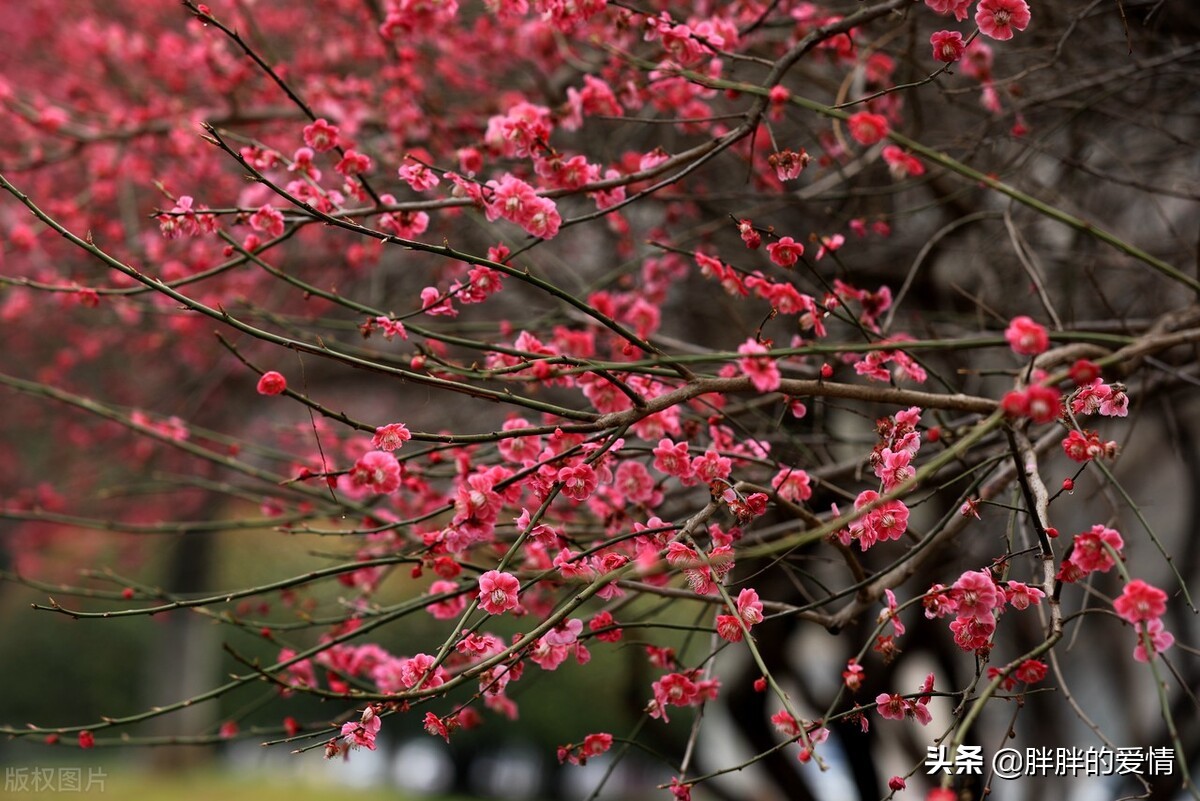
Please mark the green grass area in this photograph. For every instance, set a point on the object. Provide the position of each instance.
(126, 784)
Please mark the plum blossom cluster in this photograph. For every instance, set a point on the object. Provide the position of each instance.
(760, 368)
(1108, 400)
(344, 664)
(809, 734)
(783, 296)
(388, 327)
(392, 675)
(1083, 446)
(1143, 605)
(883, 520)
(880, 522)
(997, 19)
(1039, 403)
(896, 707)
(854, 675)
(593, 745)
(1094, 551)
(690, 42)
(681, 689)
(786, 299)
(977, 600)
(1029, 671)
(478, 284)
(749, 613)
(184, 219)
(516, 201)
(356, 734)
(885, 644)
(705, 571)
(898, 443)
(874, 365)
